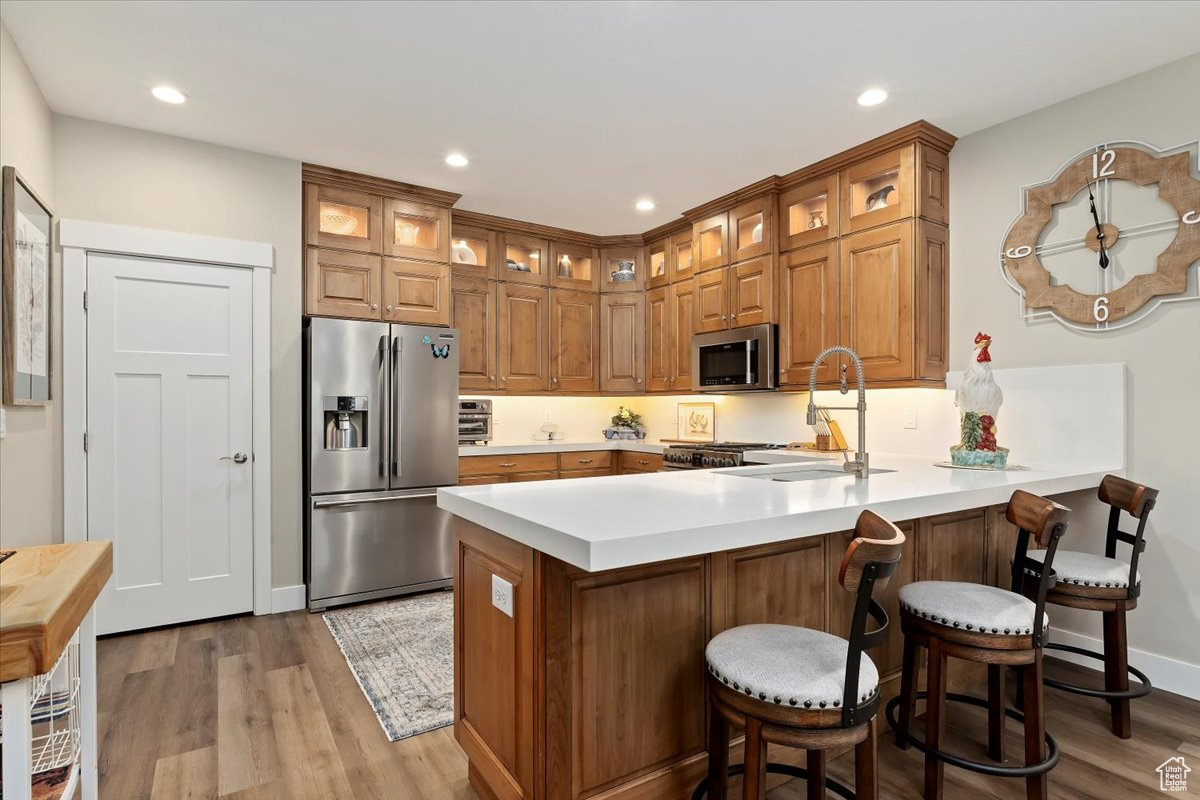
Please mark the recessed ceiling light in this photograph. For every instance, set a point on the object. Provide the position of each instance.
(169, 94)
(457, 160)
(872, 97)
(644, 205)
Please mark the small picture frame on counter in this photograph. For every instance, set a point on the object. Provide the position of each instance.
(697, 422)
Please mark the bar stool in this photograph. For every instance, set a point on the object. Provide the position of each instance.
(804, 688)
(1106, 584)
(988, 625)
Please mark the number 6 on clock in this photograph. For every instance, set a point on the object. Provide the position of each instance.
(1100, 309)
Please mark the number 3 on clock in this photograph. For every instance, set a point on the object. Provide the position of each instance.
(1102, 163)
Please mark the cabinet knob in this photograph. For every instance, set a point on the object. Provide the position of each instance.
(389, 308)
(491, 377)
(722, 316)
(639, 380)
(554, 380)
(374, 306)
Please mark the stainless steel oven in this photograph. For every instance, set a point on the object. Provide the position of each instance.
(742, 359)
(474, 421)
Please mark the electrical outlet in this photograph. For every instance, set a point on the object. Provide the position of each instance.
(910, 418)
(502, 594)
(3, 423)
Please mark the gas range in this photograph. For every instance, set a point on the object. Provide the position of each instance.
(710, 455)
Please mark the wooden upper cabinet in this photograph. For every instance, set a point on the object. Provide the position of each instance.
(679, 257)
(622, 269)
(415, 230)
(341, 284)
(473, 314)
(877, 191)
(808, 213)
(574, 266)
(574, 341)
(710, 242)
(751, 229)
(808, 313)
(683, 324)
(932, 314)
(933, 184)
(523, 337)
(712, 301)
(523, 259)
(751, 292)
(657, 273)
(342, 219)
(876, 287)
(622, 342)
(416, 292)
(659, 340)
(473, 252)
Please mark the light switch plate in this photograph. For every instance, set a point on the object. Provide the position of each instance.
(502, 595)
(910, 418)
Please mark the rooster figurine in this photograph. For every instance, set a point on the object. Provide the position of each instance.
(978, 400)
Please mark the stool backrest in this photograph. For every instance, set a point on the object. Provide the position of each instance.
(1045, 521)
(1137, 500)
(871, 558)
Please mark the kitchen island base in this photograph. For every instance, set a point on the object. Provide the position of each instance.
(594, 685)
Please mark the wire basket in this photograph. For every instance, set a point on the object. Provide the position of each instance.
(54, 713)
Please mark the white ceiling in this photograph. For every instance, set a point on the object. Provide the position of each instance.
(570, 111)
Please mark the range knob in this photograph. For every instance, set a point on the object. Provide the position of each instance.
(727, 462)
(706, 462)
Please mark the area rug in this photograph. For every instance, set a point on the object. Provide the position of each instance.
(402, 655)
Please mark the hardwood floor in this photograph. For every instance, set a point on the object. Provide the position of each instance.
(265, 708)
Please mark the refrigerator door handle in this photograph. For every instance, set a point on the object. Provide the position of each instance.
(395, 405)
(382, 412)
(356, 501)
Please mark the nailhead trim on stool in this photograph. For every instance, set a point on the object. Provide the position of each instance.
(971, 606)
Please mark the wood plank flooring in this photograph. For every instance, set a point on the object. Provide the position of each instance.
(265, 708)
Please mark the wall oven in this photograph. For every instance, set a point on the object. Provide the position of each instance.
(742, 359)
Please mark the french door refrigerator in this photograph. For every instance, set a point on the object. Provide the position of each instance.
(381, 422)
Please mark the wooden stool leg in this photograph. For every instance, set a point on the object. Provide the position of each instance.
(754, 780)
(935, 721)
(718, 755)
(816, 775)
(996, 702)
(908, 687)
(1116, 674)
(1035, 727)
(866, 765)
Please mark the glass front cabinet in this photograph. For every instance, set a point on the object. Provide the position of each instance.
(473, 252)
(574, 266)
(525, 259)
(877, 191)
(679, 256)
(657, 273)
(415, 230)
(808, 213)
(621, 269)
(751, 228)
(341, 219)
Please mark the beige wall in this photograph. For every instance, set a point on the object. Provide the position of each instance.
(31, 452)
(108, 173)
(1161, 107)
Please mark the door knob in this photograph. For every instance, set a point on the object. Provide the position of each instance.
(237, 458)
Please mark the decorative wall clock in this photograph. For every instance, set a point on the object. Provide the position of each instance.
(1112, 235)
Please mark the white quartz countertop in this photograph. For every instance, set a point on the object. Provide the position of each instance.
(625, 520)
(560, 446)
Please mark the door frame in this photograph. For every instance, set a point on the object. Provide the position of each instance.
(78, 238)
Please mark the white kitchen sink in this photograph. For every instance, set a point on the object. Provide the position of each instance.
(799, 472)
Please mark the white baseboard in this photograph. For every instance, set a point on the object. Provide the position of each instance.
(288, 598)
(1168, 674)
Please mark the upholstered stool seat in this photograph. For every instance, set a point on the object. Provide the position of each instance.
(971, 607)
(787, 666)
(1088, 569)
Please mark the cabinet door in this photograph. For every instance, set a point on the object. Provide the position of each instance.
(712, 301)
(415, 230)
(342, 219)
(416, 292)
(574, 341)
(622, 269)
(575, 266)
(710, 242)
(876, 286)
(523, 338)
(751, 228)
(877, 191)
(933, 184)
(523, 259)
(659, 347)
(808, 313)
(808, 213)
(473, 252)
(931, 319)
(683, 324)
(339, 284)
(623, 342)
(473, 313)
(751, 293)
(679, 257)
(657, 273)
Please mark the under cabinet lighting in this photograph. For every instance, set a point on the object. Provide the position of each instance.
(169, 94)
(644, 205)
(872, 97)
(457, 160)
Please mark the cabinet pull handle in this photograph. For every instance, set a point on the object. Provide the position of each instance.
(509, 464)
(585, 461)
(643, 461)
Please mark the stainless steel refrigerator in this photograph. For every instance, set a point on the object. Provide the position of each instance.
(381, 422)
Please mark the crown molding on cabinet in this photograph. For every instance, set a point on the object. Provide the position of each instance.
(535, 229)
(355, 181)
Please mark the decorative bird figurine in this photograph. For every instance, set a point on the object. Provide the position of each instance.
(978, 399)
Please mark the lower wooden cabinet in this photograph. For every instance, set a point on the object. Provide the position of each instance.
(632, 463)
(523, 337)
(574, 341)
(586, 460)
(341, 284)
(416, 292)
(473, 314)
(622, 342)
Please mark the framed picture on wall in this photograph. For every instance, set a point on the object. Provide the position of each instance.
(697, 422)
(25, 292)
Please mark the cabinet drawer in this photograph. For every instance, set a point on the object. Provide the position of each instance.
(584, 473)
(640, 462)
(481, 480)
(506, 465)
(589, 459)
(522, 477)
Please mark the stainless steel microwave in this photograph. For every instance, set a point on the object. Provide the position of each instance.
(738, 360)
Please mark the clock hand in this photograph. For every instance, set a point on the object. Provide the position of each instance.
(1099, 230)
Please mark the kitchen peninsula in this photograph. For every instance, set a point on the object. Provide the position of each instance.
(582, 608)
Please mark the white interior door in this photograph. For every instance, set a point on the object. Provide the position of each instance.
(169, 417)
